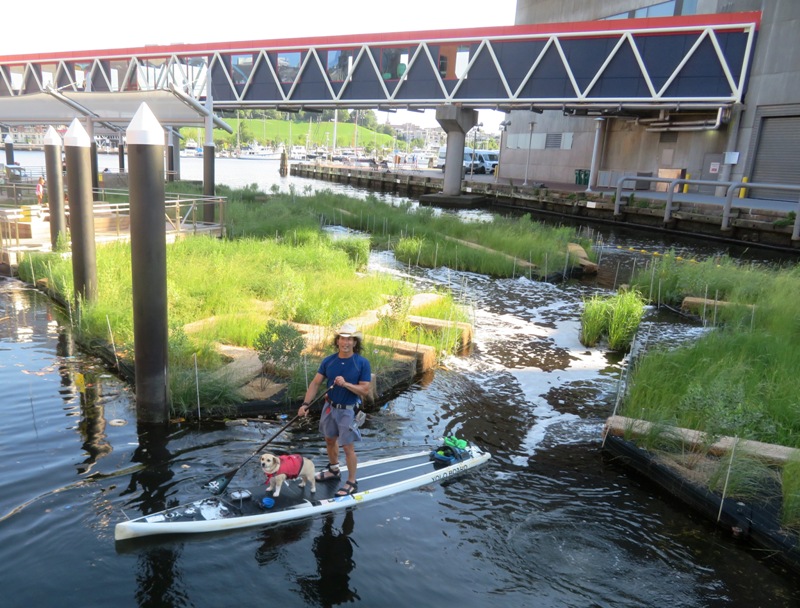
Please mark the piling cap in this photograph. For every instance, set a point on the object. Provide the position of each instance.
(52, 138)
(76, 136)
(144, 128)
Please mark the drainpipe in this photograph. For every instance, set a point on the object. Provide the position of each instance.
(730, 147)
(598, 133)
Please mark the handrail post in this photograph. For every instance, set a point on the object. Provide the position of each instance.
(796, 229)
(670, 194)
(618, 195)
(726, 208)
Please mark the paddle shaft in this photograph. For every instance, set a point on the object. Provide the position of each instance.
(226, 477)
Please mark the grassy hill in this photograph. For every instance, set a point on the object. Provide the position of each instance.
(271, 132)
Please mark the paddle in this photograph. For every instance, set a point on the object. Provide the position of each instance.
(218, 484)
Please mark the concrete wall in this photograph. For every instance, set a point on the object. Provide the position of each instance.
(774, 82)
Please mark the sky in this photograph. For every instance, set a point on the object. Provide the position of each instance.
(50, 25)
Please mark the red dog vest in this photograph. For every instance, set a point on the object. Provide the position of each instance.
(290, 466)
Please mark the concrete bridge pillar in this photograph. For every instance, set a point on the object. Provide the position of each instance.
(456, 122)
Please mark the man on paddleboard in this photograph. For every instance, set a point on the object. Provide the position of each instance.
(348, 375)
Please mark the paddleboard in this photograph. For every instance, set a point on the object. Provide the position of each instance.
(243, 507)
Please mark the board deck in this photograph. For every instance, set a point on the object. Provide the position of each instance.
(376, 479)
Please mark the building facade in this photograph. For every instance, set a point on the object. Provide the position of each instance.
(758, 140)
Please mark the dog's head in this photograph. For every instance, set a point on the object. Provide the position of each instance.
(270, 463)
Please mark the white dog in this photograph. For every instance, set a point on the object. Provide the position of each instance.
(280, 468)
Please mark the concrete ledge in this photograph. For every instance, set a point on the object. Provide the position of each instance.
(459, 201)
(621, 426)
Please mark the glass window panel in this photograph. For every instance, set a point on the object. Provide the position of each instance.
(453, 61)
(289, 66)
(664, 9)
(338, 63)
(49, 74)
(462, 61)
(241, 67)
(394, 63)
(689, 7)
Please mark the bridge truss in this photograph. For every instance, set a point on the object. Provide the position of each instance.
(699, 62)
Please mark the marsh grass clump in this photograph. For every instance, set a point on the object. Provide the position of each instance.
(615, 318)
(594, 319)
(745, 478)
(626, 314)
(790, 483)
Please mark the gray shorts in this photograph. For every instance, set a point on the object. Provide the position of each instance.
(339, 424)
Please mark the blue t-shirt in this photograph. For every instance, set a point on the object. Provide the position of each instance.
(354, 369)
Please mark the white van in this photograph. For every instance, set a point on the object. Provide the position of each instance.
(486, 161)
(443, 155)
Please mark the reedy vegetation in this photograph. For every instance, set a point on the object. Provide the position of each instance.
(278, 264)
(740, 378)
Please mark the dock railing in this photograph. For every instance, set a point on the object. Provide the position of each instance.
(726, 210)
(183, 215)
(674, 186)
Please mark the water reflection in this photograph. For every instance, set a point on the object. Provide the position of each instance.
(334, 554)
(154, 478)
(158, 574)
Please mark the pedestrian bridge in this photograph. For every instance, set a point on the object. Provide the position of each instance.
(692, 63)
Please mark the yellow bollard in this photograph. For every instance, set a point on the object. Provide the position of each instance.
(686, 186)
(743, 191)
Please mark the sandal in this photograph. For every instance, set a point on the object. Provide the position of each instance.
(349, 488)
(328, 473)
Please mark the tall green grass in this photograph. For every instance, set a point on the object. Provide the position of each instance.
(727, 383)
(512, 240)
(594, 319)
(226, 291)
(615, 318)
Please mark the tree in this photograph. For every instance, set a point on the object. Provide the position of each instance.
(368, 120)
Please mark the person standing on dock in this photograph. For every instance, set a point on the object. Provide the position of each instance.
(348, 375)
(39, 191)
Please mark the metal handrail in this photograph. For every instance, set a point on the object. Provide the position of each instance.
(726, 205)
(694, 182)
(726, 209)
(186, 214)
(634, 178)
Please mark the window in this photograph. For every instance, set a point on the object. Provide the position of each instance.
(241, 67)
(659, 9)
(453, 61)
(338, 63)
(288, 66)
(394, 63)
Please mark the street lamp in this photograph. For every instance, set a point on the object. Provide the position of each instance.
(530, 143)
(476, 128)
(503, 128)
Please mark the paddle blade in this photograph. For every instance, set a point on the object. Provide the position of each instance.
(218, 484)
